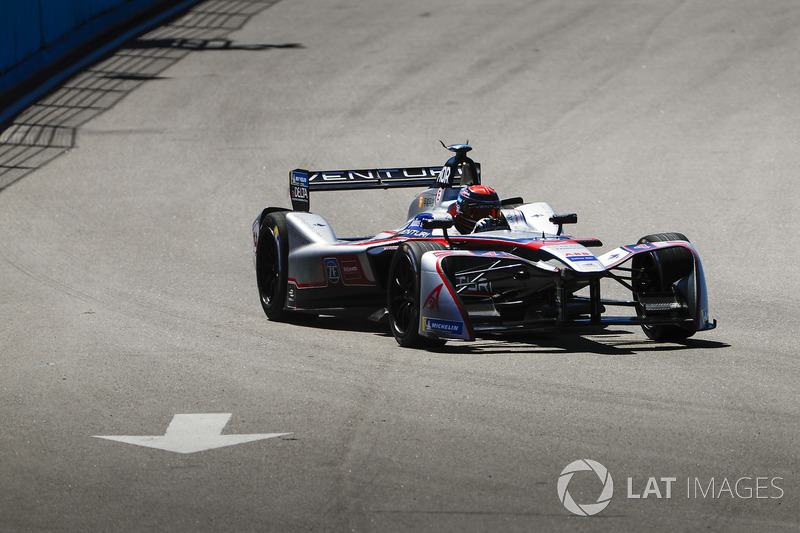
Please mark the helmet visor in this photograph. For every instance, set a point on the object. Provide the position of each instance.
(478, 211)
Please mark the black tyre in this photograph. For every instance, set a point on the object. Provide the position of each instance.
(272, 258)
(403, 294)
(656, 272)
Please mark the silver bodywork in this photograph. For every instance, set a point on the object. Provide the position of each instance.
(526, 276)
(320, 262)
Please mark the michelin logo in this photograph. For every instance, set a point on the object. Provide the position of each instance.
(446, 326)
(299, 179)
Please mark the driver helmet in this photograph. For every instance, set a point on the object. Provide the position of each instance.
(475, 203)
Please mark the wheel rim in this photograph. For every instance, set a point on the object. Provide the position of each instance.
(403, 306)
(270, 273)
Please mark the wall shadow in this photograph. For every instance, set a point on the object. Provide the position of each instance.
(46, 129)
(200, 45)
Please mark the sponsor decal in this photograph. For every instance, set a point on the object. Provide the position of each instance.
(298, 186)
(415, 229)
(432, 301)
(446, 326)
(256, 226)
(514, 217)
(580, 256)
(345, 268)
(469, 285)
(291, 295)
(615, 256)
(410, 232)
(639, 247)
(298, 193)
(563, 247)
(423, 172)
(351, 271)
(487, 253)
(424, 201)
(375, 174)
(444, 177)
(331, 265)
(299, 178)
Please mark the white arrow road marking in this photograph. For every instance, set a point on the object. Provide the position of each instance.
(192, 433)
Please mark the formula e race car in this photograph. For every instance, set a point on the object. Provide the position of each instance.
(521, 274)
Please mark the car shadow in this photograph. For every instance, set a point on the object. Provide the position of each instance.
(608, 342)
(616, 342)
(341, 323)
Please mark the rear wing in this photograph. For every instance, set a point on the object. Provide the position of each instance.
(302, 182)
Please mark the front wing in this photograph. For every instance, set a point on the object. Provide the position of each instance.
(464, 294)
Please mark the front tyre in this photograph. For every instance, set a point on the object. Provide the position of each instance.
(403, 294)
(656, 272)
(272, 258)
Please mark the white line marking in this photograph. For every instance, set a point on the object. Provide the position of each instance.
(190, 433)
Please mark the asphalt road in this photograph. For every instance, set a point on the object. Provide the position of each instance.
(127, 290)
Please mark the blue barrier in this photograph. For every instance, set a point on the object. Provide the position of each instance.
(36, 35)
(20, 33)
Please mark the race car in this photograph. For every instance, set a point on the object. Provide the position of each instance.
(435, 279)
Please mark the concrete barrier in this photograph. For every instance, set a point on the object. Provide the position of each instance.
(38, 36)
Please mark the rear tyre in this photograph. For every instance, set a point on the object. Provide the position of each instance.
(656, 272)
(272, 258)
(403, 294)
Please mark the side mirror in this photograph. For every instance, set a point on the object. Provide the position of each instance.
(569, 218)
(445, 222)
(442, 222)
(512, 202)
